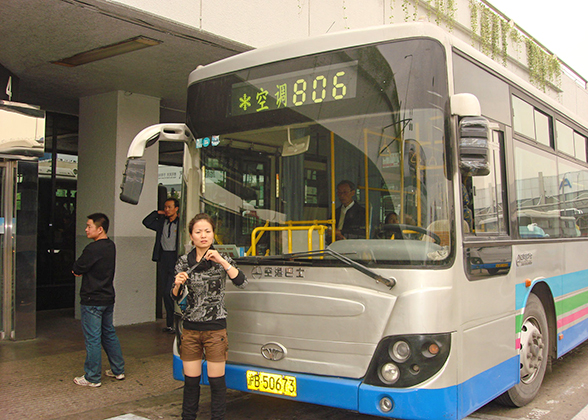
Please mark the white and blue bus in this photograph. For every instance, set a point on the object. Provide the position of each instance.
(427, 318)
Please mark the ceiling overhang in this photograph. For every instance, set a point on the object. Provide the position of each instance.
(36, 33)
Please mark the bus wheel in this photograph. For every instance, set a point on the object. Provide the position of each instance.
(533, 355)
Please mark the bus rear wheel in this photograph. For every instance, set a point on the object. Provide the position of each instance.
(533, 355)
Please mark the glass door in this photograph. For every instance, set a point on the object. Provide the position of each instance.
(6, 249)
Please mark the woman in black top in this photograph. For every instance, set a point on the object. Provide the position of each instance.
(203, 271)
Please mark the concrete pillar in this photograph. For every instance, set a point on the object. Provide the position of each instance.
(108, 124)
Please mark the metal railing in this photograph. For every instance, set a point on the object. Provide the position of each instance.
(310, 226)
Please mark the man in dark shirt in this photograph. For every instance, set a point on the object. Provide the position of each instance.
(96, 266)
(165, 252)
(350, 215)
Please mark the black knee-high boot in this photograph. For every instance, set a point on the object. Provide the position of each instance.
(218, 398)
(191, 397)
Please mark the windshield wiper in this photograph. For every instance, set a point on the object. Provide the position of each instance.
(391, 282)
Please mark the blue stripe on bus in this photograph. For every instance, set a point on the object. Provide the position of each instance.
(572, 337)
(323, 390)
(430, 404)
(413, 403)
(559, 285)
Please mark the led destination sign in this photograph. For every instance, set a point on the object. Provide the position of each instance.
(290, 90)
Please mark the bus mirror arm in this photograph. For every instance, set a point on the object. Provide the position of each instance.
(134, 174)
(390, 283)
(150, 135)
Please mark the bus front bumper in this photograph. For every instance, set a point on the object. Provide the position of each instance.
(348, 394)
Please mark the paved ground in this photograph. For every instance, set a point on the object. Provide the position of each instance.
(37, 375)
(36, 381)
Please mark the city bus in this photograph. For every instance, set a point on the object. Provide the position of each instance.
(433, 316)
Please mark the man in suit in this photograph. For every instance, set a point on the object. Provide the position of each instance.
(165, 253)
(350, 215)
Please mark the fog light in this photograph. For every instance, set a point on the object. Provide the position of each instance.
(386, 405)
(389, 373)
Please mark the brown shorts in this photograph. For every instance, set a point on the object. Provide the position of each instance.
(210, 345)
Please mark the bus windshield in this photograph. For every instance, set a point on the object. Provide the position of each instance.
(274, 143)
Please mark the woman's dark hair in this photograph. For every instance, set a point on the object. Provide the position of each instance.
(389, 217)
(197, 218)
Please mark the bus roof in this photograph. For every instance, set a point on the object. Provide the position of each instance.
(307, 46)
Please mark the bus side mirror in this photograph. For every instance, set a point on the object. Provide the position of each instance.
(132, 183)
(474, 145)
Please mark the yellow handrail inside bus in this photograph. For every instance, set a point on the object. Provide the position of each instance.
(318, 225)
(250, 250)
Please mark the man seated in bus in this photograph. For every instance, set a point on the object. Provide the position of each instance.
(350, 215)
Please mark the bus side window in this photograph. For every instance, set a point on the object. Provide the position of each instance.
(484, 196)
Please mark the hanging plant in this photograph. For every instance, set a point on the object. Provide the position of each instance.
(451, 10)
(439, 14)
(495, 35)
(536, 64)
(391, 17)
(405, 8)
(554, 70)
(345, 23)
(504, 31)
(485, 30)
(429, 10)
(515, 37)
(474, 21)
(415, 4)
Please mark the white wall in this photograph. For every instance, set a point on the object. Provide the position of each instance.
(108, 123)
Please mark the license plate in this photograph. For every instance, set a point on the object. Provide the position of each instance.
(271, 383)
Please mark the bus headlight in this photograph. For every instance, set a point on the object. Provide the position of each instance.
(389, 373)
(400, 351)
(404, 361)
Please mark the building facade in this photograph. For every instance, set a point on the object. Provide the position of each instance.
(119, 66)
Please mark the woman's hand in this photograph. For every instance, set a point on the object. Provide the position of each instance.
(178, 281)
(181, 278)
(213, 255)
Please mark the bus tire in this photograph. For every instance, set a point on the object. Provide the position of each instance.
(533, 355)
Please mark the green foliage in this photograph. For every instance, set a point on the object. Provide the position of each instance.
(492, 35)
(439, 15)
(391, 17)
(444, 10)
(474, 21)
(515, 37)
(504, 31)
(405, 9)
(485, 30)
(451, 8)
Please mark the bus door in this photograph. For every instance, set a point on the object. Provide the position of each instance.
(485, 214)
